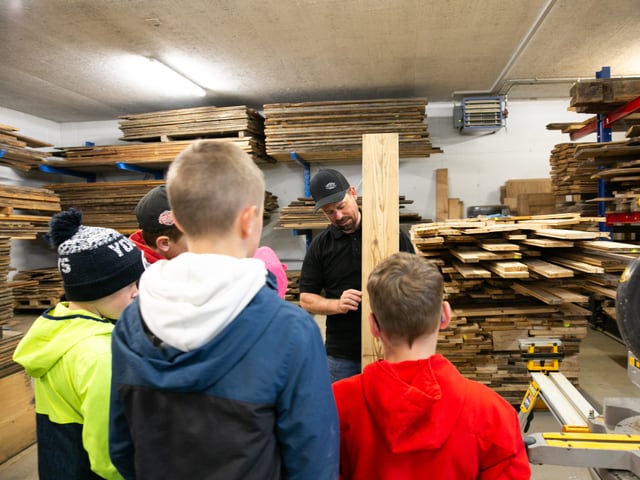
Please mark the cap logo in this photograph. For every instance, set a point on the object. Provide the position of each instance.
(166, 218)
(330, 186)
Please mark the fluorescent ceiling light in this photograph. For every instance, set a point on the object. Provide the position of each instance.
(171, 82)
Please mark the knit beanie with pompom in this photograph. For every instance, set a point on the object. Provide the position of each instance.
(94, 262)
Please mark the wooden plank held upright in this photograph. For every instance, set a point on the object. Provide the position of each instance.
(380, 213)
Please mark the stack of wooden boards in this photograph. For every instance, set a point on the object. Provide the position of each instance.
(325, 131)
(576, 169)
(25, 211)
(18, 151)
(572, 183)
(299, 214)
(519, 277)
(6, 297)
(36, 289)
(601, 96)
(17, 422)
(530, 196)
(618, 164)
(161, 136)
(112, 204)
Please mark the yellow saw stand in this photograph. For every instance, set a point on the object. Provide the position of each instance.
(608, 444)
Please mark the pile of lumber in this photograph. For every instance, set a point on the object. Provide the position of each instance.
(528, 196)
(242, 124)
(324, 131)
(25, 211)
(293, 286)
(6, 298)
(601, 96)
(36, 289)
(191, 123)
(572, 181)
(153, 155)
(112, 204)
(9, 339)
(518, 277)
(19, 151)
(299, 214)
(18, 420)
(618, 164)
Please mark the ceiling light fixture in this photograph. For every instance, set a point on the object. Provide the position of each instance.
(169, 80)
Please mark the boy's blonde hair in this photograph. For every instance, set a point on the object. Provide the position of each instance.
(406, 295)
(209, 183)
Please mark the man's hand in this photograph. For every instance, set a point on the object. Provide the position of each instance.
(349, 300)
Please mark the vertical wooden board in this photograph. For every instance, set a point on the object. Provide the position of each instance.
(380, 213)
(18, 419)
(442, 194)
(455, 208)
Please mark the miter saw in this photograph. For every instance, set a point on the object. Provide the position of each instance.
(608, 443)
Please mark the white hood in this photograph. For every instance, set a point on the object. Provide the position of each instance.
(187, 301)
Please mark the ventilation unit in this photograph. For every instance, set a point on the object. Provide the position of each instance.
(480, 114)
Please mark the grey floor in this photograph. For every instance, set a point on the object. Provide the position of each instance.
(602, 374)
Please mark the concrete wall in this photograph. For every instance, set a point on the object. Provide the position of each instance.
(478, 164)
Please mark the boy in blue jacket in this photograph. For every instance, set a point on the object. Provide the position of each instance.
(215, 376)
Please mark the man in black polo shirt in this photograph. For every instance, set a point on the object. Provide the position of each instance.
(331, 276)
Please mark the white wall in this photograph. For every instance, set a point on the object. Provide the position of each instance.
(478, 164)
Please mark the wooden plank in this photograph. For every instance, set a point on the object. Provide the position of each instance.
(18, 419)
(471, 271)
(610, 246)
(380, 226)
(566, 234)
(442, 194)
(498, 246)
(547, 269)
(537, 292)
(579, 266)
(509, 269)
(508, 340)
(456, 208)
(547, 243)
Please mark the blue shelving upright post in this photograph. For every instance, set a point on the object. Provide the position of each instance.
(307, 191)
(603, 135)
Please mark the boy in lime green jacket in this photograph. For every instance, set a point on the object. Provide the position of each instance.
(68, 348)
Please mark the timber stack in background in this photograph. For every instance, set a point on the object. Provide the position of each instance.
(519, 277)
(580, 172)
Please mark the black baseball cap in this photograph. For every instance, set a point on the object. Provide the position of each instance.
(328, 186)
(153, 212)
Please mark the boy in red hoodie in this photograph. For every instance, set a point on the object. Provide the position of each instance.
(413, 415)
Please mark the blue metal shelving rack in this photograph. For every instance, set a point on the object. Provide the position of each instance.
(602, 127)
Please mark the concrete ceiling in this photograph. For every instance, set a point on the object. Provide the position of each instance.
(59, 58)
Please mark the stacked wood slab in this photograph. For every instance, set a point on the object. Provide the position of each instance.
(25, 211)
(519, 277)
(528, 196)
(18, 420)
(293, 286)
(6, 298)
(618, 163)
(112, 204)
(325, 131)
(572, 181)
(18, 151)
(299, 214)
(603, 95)
(240, 122)
(36, 289)
(154, 155)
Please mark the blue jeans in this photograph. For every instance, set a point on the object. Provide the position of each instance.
(342, 368)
